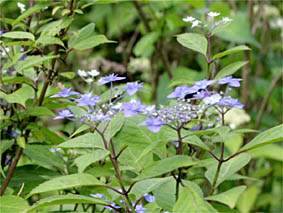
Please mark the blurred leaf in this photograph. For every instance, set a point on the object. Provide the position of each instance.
(228, 168)
(82, 34)
(65, 199)
(193, 41)
(12, 204)
(32, 61)
(80, 129)
(197, 4)
(247, 199)
(230, 51)
(145, 46)
(270, 151)
(68, 75)
(229, 197)
(21, 142)
(91, 42)
(221, 7)
(271, 135)
(53, 28)
(84, 161)
(230, 69)
(39, 111)
(66, 182)
(47, 39)
(20, 96)
(15, 59)
(165, 165)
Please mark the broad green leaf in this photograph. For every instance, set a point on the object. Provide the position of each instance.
(146, 186)
(91, 42)
(65, 199)
(21, 142)
(80, 129)
(228, 168)
(88, 140)
(165, 195)
(229, 197)
(230, 51)
(270, 151)
(68, 75)
(144, 47)
(17, 80)
(30, 11)
(223, 208)
(230, 69)
(193, 41)
(66, 182)
(53, 28)
(32, 61)
(20, 96)
(41, 155)
(15, 59)
(114, 126)
(84, 33)
(165, 165)
(247, 199)
(271, 135)
(39, 111)
(18, 35)
(84, 161)
(191, 201)
(47, 39)
(12, 204)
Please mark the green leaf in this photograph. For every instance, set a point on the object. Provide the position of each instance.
(247, 199)
(270, 151)
(65, 199)
(193, 41)
(15, 59)
(39, 111)
(88, 140)
(53, 28)
(21, 142)
(91, 42)
(41, 155)
(165, 165)
(80, 129)
(191, 201)
(32, 61)
(146, 186)
(47, 39)
(229, 197)
(84, 161)
(230, 69)
(18, 35)
(228, 168)
(68, 75)
(17, 80)
(82, 34)
(269, 136)
(165, 195)
(230, 51)
(66, 182)
(144, 47)
(30, 11)
(12, 204)
(20, 96)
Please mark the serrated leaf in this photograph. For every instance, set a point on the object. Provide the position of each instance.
(229, 197)
(88, 140)
(165, 165)
(230, 51)
(269, 136)
(12, 204)
(48, 40)
(84, 161)
(228, 168)
(230, 69)
(65, 199)
(193, 41)
(191, 201)
(91, 42)
(66, 182)
(18, 35)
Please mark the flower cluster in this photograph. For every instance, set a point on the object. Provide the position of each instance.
(88, 76)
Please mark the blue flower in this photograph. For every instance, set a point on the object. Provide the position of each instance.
(153, 124)
(97, 195)
(140, 209)
(201, 94)
(99, 117)
(213, 99)
(149, 198)
(110, 78)
(88, 100)
(182, 91)
(64, 93)
(64, 114)
(203, 84)
(230, 102)
(132, 108)
(232, 82)
(133, 87)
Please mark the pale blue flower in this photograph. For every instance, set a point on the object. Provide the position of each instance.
(64, 93)
(149, 198)
(232, 82)
(64, 114)
(88, 100)
(133, 87)
(110, 78)
(153, 124)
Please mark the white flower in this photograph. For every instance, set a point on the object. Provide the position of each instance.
(89, 80)
(21, 6)
(226, 19)
(196, 23)
(189, 19)
(213, 14)
(93, 73)
(236, 117)
(82, 73)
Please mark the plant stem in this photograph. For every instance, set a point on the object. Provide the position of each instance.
(179, 152)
